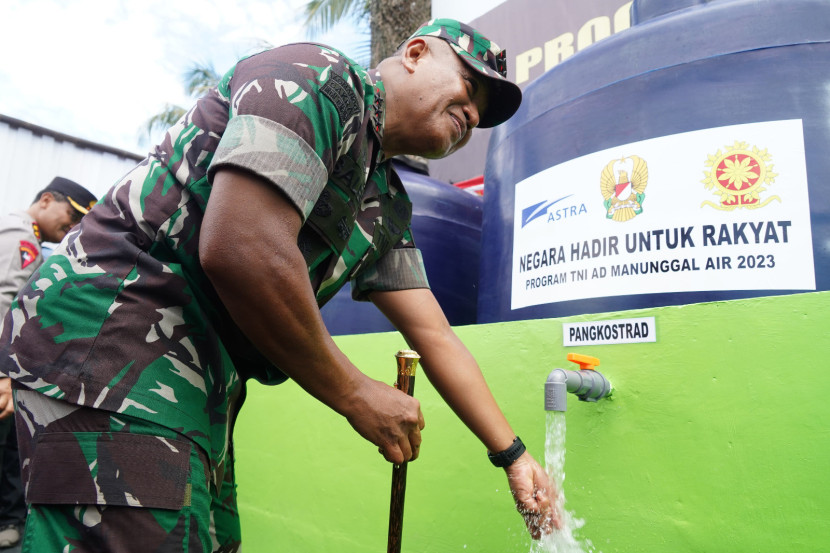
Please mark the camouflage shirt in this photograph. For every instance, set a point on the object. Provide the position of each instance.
(122, 317)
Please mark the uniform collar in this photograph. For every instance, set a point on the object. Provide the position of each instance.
(30, 220)
(377, 117)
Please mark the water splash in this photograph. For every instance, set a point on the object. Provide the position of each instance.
(560, 541)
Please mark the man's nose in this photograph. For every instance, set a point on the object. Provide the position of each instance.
(473, 117)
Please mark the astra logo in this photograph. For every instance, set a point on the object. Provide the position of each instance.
(544, 209)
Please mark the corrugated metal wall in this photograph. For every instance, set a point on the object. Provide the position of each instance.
(30, 156)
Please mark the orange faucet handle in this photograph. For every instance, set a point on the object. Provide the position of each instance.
(585, 362)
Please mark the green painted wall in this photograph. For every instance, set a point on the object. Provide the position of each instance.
(717, 439)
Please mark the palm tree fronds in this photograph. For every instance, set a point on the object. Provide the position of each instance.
(200, 78)
(164, 119)
(322, 15)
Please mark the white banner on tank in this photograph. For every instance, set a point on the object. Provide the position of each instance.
(717, 209)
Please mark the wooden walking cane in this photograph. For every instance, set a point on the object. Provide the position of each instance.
(407, 361)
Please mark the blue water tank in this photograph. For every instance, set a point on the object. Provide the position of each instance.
(446, 224)
(719, 112)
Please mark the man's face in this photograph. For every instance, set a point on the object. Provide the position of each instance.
(56, 219)
(447, 98)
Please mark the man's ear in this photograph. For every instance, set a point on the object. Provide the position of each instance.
(45, 199)
(414, 52)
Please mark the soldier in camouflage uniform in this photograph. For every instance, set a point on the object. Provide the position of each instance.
(206, 266)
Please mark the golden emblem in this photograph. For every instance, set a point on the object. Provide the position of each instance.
(623, 184)
(738, 175)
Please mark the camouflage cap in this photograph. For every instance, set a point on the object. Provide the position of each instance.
(483, 55)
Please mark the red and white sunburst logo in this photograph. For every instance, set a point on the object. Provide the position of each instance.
(738, 176)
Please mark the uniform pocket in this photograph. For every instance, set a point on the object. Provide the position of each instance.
(109, 468)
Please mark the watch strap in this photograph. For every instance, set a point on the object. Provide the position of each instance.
(508, 456)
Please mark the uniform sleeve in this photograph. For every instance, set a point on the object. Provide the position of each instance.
(402, 268)
(16, 250)
(293, 111)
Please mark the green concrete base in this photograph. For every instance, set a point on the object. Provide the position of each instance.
(717, 439)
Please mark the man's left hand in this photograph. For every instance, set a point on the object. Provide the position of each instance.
(535, 495)
(6, 400)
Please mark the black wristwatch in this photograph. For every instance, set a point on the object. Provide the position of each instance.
(505, 458)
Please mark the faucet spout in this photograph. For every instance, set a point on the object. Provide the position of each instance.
(587, 384)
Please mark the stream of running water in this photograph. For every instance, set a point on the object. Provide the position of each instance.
(560, 541)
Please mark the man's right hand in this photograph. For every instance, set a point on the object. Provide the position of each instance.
(388, 418)
(6, 399)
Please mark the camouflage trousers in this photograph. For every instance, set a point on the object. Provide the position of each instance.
(103, 482)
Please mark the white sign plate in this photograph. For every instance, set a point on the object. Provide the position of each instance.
(717, 209)
(620, 331)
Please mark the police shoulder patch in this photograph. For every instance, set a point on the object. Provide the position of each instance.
(28, 253)
(342, 96)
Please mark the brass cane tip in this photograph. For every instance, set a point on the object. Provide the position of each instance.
(407, 354)
(407, 361)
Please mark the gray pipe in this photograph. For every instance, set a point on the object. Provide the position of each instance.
(587, 384)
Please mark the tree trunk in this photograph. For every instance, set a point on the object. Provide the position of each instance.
(392, 21)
